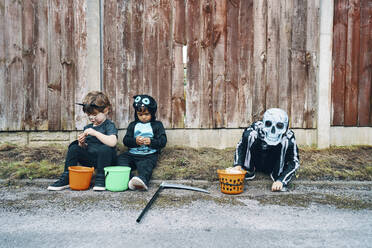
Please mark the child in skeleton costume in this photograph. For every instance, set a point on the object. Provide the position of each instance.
(145, 138)
(270, 147)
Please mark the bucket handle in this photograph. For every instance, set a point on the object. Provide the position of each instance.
(106, 173)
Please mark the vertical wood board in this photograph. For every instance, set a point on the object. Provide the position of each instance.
(219, 64)
(365, 65)
(193, 64)
(339, 61)
(232, 64)
(259, 59)
(352, 60)
(299, 71)
(179, 40)
(245, 53)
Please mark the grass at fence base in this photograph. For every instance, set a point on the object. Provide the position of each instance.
(336, 163)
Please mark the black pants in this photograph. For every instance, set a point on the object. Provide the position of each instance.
(95, 155)
(144, 164)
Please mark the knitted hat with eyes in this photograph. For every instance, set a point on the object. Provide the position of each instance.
(147, 102)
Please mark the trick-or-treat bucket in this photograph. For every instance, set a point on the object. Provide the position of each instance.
(117, 178)
(231, 183)
(80, 177)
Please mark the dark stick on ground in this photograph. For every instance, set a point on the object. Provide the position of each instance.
(165, 185)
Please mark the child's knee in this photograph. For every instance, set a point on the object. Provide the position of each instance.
(74, 147)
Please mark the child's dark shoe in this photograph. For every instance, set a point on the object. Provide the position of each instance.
(99, 184)
(250, 175)
(61, 184)
(137, 183)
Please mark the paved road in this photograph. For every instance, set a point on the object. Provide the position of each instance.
(323, 214)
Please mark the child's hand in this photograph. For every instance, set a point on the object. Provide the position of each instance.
(277, 186)
(146, 141)
(81, 139)
(90, 131)
(139, 140)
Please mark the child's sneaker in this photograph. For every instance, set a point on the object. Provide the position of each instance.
(99, 184)
(137, 183)
(62, 183)
(250, 175)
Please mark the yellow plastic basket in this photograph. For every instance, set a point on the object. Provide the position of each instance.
(231, 184)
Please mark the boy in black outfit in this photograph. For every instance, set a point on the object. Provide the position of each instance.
(95, 146)
(145, 138)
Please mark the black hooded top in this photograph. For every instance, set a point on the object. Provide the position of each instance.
(159, 140)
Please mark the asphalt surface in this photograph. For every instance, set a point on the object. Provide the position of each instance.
(311, 214)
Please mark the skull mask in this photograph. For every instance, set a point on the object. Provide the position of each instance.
(275, 122)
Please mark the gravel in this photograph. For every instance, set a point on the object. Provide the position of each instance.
(309, 215)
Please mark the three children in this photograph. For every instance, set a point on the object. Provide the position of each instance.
(266, 146)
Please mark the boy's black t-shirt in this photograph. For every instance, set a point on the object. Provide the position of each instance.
(107, 128)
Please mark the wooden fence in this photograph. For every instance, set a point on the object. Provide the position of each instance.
(243, 56)
(352, 63)
(42, 59)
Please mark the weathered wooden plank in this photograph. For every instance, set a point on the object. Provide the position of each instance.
(232, 64)
(365, 65)
(193, 64)
(165, 51)
(14, 65)
(259, 59)
(28, 56)
(245, 76)
(339, 61)
(137, 56)
(40, 87)
(179, 39)
(312, 45)
(206, 66)
(123, 41)
(68, 63)
(3, 106)
(150, 48)
(55, 67)
(178, 99)
(81, 84)
(285, 34)
(352, 59)
(110, 52)
(273, 49)
(299, 64)
(179, 17)
(219, 43)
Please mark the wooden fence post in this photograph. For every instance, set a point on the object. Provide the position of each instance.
(325, 74)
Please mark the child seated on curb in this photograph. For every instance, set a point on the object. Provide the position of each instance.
(145, 137)
(96, 146)
(268, 146)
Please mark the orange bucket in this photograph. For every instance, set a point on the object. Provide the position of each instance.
(231, 183)
(80, 177)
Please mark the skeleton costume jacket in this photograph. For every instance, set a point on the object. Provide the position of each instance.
(282, 159)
